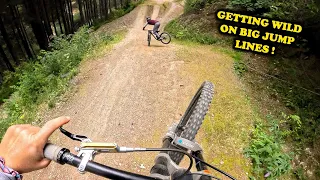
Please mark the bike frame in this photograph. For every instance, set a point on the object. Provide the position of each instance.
(151, 32)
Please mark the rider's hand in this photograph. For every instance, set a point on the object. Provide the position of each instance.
(22, 145)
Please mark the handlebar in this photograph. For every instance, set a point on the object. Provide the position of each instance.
(83, 161)
(62, 156)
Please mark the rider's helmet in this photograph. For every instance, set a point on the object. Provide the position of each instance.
(148, 18)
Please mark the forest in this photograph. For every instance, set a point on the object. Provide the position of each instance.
(42, 44)
(29, 26)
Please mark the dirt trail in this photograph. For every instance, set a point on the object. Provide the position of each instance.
(129, 96)
(134, 92)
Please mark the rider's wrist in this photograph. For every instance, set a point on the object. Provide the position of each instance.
(8, 170)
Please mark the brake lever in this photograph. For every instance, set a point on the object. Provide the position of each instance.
(75, 137)
(85, 154)
(89, 149)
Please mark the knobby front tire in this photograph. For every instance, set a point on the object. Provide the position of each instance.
(192, 119)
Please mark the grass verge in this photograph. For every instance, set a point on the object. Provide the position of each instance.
(265, 148)
(191, 33)
(285, 87)
(227, 126)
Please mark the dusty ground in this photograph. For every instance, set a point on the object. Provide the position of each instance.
(129, 96)
(134, 92)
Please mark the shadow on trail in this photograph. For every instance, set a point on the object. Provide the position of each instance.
(162, 46)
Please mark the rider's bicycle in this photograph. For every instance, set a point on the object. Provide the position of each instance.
(178, 141)
(165, 37)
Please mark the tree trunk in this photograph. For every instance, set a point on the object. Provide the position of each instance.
(58, 16)
(106, 8)
(7, 40)
(40, 35)
(6, 60)
(17, 37)
(67, 14)
(52, 17)
(21, 32)
(85, 10)
(62, 8)
(109, 4)
(91, 11)
(115, 4)
(95, 6)
(37, 27)
(45, 17)
(71, 16)
(81, 9)
(102, 6)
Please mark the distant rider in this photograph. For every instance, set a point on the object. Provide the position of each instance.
(155, 27)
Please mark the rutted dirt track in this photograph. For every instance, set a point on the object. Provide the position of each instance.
(129, 96)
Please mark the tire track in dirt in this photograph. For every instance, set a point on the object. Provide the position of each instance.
(129, 96)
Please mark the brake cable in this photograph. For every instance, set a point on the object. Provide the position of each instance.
(220, 171)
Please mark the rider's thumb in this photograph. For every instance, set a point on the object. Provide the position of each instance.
(50, 127)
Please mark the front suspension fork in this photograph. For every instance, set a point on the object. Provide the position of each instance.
(199, 165)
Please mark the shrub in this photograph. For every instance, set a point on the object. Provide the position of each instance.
(250, 5)
(266, 153)
(179, 31)
(293, 10)
(6, 89)
(43, 79)
(193, 5)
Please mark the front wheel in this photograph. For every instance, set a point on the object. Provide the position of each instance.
(192, 119)
(165, 38)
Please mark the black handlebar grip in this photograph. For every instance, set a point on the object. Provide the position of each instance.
(51, 151)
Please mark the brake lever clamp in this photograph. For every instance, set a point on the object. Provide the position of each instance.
(86, 155)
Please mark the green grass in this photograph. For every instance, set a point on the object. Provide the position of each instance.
(228, 124)
(42, 80)
(239, 66)
(267, 142)
(265, 148)
(300, 129)
(6, 88)
(190, 33)
(276, 98)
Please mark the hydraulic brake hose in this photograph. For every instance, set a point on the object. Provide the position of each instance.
(219, 170)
